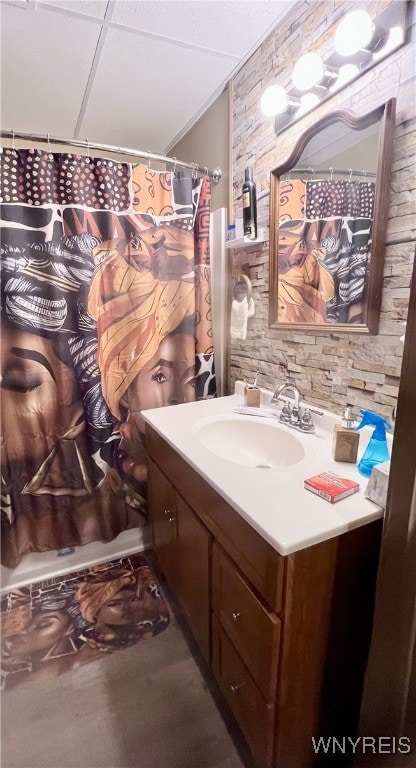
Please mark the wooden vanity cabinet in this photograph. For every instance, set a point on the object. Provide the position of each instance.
(287, 637)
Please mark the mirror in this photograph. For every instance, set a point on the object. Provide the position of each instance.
(328, 215)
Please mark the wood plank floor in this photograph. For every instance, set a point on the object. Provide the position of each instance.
(154, 705)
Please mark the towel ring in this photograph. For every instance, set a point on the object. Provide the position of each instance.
(349, 177)
(332, 173)
(242, 278)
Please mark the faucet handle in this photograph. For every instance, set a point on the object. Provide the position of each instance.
(295, 416)
(306, 422)
(285, 412)
(315, 411)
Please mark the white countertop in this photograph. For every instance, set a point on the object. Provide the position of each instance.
(273, 501)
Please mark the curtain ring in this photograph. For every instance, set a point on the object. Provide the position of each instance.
(148, 159)
(87, 159)
(311, 170)
(119, 148)
(194, 170)
(206, 170)
(366, 179)
(349, 177)
(49, 147)
(332, 173)
(13, 145)
(174, 164)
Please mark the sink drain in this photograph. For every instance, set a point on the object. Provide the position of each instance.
(263, 466)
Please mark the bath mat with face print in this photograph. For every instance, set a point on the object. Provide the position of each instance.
(57, 624)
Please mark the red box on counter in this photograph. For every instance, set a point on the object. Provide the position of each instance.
(331, 487)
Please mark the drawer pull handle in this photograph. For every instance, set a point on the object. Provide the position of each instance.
(171, 520)
(235, 615)
(168, 512)
(235, 688)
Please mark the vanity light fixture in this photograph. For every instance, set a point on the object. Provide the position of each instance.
(275, 101)
(311, 72)
(359, 43)
(357, 32)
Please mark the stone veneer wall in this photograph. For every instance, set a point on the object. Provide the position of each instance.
(330, 369)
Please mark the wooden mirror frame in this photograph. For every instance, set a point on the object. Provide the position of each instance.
(386, 114)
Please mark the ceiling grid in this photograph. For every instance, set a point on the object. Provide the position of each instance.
(136, 73)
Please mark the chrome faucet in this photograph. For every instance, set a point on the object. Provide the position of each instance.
(277, 395)
(293, 416)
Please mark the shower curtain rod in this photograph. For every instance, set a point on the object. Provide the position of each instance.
(194, 167)
(340, 172)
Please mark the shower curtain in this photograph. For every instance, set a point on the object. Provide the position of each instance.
(324, 245)
(105, 312)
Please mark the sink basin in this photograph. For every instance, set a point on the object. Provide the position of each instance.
(251, 443)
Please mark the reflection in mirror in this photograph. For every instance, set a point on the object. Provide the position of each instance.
(328, 211)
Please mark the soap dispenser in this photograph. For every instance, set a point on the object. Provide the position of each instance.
(346, 439)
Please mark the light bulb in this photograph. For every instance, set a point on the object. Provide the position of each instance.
(308, 101)
(308, 71)
(395, 38)
(354, 33)
(346, 73)
(274, 100)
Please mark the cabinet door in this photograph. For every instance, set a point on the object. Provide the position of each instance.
(162, 508)
(194, 553)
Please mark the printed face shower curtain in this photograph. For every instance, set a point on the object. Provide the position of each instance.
(105, 312)
(324, 250)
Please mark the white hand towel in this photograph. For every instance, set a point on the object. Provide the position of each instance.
(240, 312)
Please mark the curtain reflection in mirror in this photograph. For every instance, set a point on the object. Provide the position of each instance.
(324, 245)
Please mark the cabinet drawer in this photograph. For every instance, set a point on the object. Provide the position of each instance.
(254, 716)
(253, 629)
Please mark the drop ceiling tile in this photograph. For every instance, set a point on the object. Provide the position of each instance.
(46, 59)
(222, 25)
(88, 7)
(145, 91)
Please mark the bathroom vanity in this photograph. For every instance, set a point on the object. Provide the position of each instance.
(277, 584)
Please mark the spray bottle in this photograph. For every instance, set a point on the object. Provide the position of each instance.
(377, 450)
